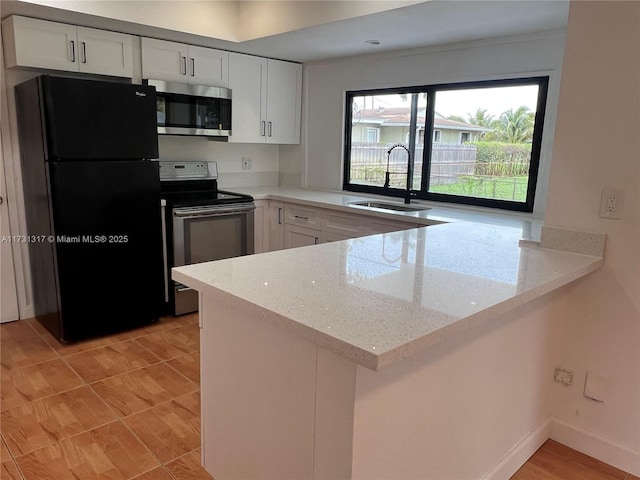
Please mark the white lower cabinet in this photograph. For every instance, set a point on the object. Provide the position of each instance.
(289, 225)
(334, 237)
(385, 226)
(259, 223)
(274, 228)
(296, 236)
(341, 226)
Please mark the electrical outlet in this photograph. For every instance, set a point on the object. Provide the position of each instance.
(564, 376)
(246, 163)
(611, 203)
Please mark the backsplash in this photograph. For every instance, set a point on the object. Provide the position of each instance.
(264, 159)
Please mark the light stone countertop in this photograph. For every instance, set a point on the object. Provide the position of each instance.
(379, 299)
(436, 213)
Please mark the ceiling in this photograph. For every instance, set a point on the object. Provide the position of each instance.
(405, 26)
(421, 25)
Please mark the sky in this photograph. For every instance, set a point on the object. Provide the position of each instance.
(464, 102)
(495, 100)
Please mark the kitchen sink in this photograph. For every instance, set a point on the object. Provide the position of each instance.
(391, 206)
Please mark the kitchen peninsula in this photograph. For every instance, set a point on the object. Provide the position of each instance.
(409, 354)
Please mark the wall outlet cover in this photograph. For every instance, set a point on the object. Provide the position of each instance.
(597, 387)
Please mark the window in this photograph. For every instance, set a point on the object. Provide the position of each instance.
(373, 135)
(485, 147)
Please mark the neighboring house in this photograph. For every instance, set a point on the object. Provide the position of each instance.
(391, 125)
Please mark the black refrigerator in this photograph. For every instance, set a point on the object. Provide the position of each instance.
(92, 204)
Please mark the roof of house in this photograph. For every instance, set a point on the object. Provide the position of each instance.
(399, 117)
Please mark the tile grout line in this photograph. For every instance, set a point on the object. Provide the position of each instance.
(118, 418)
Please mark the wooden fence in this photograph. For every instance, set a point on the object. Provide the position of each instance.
(448, 162)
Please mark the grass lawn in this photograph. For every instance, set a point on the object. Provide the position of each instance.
(498, 188)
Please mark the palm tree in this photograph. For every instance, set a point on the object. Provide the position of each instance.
(456, 118)
(480, 118)
(514, 126)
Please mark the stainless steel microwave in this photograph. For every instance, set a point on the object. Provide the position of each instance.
(195, 110)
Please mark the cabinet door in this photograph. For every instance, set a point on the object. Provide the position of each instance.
(386, 226)
(334, 237)
(284, 98)
(295, 236)
(104, 52)
(207, 66)
(163, 60)
(248, 82)
(275, 226)
(259, 220)
(345, 225)
(38, 43)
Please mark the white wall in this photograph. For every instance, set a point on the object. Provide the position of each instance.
(264, 159)
(326, 83)
(597, 145)
(229, 20)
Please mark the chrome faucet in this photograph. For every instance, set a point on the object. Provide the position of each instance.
(409, 173)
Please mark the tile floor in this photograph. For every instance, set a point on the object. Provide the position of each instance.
(127, 407)
(121, 407)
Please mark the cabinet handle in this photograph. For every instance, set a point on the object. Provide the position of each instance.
(1, 200)
(193, 67)
(315, 241)
(306, 219)
(183, 71)
(84, 52)
(262, 128)
(270, 128)
(73, 51)
(279, 215)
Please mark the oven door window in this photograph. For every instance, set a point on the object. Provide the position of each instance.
(207, 238)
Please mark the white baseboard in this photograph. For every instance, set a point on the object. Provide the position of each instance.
(520, 453)
(596, 447)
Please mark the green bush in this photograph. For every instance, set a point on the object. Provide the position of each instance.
(502, 159)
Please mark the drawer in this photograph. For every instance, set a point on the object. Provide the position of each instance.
(345, 225)
(297, 215)
(386, 226)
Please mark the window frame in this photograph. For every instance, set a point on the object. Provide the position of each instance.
(431, 93)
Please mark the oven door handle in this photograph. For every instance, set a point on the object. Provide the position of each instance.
(211, 212)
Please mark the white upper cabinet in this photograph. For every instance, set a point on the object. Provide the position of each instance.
(248, 83)
(177, 62)
(104, 52)
(30, 42)
(284, 99)
(267, 98)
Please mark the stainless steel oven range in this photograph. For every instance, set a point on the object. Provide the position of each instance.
(201, 224)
